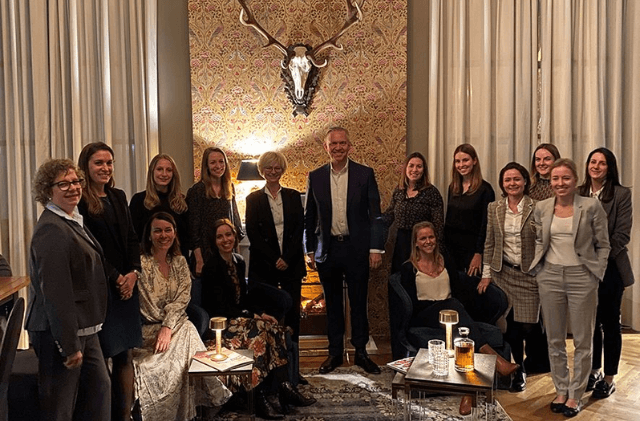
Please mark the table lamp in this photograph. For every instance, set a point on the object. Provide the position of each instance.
(449, 318)
(218, 324)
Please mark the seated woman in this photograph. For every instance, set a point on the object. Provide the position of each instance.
(224, 293)
(169, 338)
(427, 278)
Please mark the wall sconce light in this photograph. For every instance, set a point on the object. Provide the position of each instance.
(248, 170)
(218, 324)
(449, 318)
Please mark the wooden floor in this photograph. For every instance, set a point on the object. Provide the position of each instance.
(533, 403)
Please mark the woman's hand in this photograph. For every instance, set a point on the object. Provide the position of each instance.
(474, 266)
(281, 264)
(199, 261)
(483, 285)
(73, 360)
(126, 284)
(163, 339)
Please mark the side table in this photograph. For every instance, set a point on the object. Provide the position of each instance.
(199, 370)
(478, 382)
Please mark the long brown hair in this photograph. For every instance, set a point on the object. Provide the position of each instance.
(476, 173)
(611, 181)
(90, 193)
(423, 182)
(227, 190)
(415, 253)
(176, 198)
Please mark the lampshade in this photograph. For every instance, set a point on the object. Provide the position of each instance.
(448, 317)
(249, 170)
(218, 323)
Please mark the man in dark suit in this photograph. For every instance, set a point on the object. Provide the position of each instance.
(343, 239)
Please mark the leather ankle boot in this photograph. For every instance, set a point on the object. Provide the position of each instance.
(504, 367)
(465, 405)
(290, 395)
(264, 409)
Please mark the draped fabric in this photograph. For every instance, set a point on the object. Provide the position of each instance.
(73, 72)
(506, 75)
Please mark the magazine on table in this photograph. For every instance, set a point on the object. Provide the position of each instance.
(233, 360)
(402, 365)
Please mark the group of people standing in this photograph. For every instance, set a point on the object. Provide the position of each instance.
(112, 281)
(555, 249)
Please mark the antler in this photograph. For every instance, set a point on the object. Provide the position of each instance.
(354, 15)
(251, 21)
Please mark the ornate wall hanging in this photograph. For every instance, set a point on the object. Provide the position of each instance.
(300, 67)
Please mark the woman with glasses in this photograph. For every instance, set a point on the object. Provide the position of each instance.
(106, 213)
(274, 225)
(67, 300)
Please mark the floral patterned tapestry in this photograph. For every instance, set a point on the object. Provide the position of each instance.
(239, 103)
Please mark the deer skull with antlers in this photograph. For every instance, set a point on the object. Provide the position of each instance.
(300, 67)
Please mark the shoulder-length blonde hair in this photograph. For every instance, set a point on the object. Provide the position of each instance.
(423, 182)
(90, 193)
(177, 202)
(205, 175)
(415, 253)
(476, 173)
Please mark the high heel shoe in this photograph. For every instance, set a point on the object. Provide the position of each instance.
(290, 395)
(504, 367)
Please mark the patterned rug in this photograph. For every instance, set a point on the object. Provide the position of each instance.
(351, 394)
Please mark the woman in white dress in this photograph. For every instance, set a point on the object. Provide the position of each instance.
(169, 338)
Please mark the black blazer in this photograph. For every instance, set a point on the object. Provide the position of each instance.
(363, 211)
(264, 247)
(219, 292)
(68, 289)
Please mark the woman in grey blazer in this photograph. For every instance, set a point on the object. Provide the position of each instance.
(572, 247)
(602, 182)
(508, 252)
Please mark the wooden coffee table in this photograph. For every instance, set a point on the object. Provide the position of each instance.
(198, 369)
(475, 383)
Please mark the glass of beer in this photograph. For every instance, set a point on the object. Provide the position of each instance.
(463, 347)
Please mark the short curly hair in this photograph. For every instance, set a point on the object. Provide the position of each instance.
(47, 174)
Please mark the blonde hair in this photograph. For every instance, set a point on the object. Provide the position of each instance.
(177, 202)
(269, 157)
(415, 253)
(227, 190)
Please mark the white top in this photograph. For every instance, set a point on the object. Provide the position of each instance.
(429, 288)
(277, 211)
(339, 184)
(561, 248)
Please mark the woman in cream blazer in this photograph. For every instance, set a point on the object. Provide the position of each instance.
(572, 247)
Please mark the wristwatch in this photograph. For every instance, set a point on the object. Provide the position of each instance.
(138, 274)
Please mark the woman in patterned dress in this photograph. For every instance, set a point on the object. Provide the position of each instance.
(414, 200)
(543, 157)
(169, 338)
(224, 293)
(210, 199)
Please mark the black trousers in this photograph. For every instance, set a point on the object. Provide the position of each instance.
(82, 393)
(608, 332)
(515, 336)
(345, 262)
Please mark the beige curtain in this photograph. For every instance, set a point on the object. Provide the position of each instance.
(485, 88)
(74, 72)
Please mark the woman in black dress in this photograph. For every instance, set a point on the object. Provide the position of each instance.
(107, 216)
(414, 200)
(163, 193)
(210, 199)
(465, 232)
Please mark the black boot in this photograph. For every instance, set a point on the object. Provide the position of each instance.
(290, 395)
(519, 382)
(264, 408)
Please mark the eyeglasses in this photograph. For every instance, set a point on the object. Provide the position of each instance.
(65, 185)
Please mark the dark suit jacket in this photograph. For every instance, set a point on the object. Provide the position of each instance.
(620, 218)
(264, 247)
(591, 239)
(363, 211)
(68, 289)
